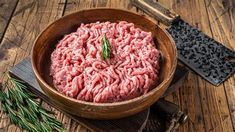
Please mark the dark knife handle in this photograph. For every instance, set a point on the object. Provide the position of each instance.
(156, 10)
(170, 111)
(165, 107)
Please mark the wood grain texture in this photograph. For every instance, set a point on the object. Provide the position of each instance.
(157, 11)
(28, 19)
(222, 19)
(207, 105)
(195, 11)
(188, 96)
(210, 108)
(6, 9)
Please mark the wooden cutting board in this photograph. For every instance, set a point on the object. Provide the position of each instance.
(147, 120)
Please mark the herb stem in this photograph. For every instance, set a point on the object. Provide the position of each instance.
(23, 110)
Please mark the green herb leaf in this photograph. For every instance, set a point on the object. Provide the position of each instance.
(23, 110)
(106, 48)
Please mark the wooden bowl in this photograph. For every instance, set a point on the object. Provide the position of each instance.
(45, 44)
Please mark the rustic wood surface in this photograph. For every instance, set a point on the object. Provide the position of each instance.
(210, 108)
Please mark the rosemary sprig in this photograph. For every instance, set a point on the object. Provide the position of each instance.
(105, 48)
(23, 110)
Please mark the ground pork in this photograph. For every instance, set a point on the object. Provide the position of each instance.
(79, 71)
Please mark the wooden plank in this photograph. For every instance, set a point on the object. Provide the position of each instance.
(7, 7)
(196, 110)
(212, 98)
(222, 18)
(122, 4)
(217, 109)
(188, 96)
(73, 6)
(5, 121)
(28, 20)
(196, 14)
(6, 10)
(174, 97)
(61, 116)
(222, 14)
(76, 128)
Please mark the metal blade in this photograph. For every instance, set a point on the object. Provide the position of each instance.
(201, 53)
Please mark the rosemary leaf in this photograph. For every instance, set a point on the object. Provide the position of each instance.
(45, 127)
(106, 48)
(23, 110)
(28, 113)
(32, 105)
(4, 107)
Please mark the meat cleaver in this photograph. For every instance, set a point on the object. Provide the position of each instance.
(207, 57)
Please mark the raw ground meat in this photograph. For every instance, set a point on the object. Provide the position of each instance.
(79, 71)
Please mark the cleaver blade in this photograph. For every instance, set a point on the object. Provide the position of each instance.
(207, 57)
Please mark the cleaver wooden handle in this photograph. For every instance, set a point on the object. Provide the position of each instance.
(156, 10)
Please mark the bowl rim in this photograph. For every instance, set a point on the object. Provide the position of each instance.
(136, 99)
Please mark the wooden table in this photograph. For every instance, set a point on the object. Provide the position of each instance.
(210, 108)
